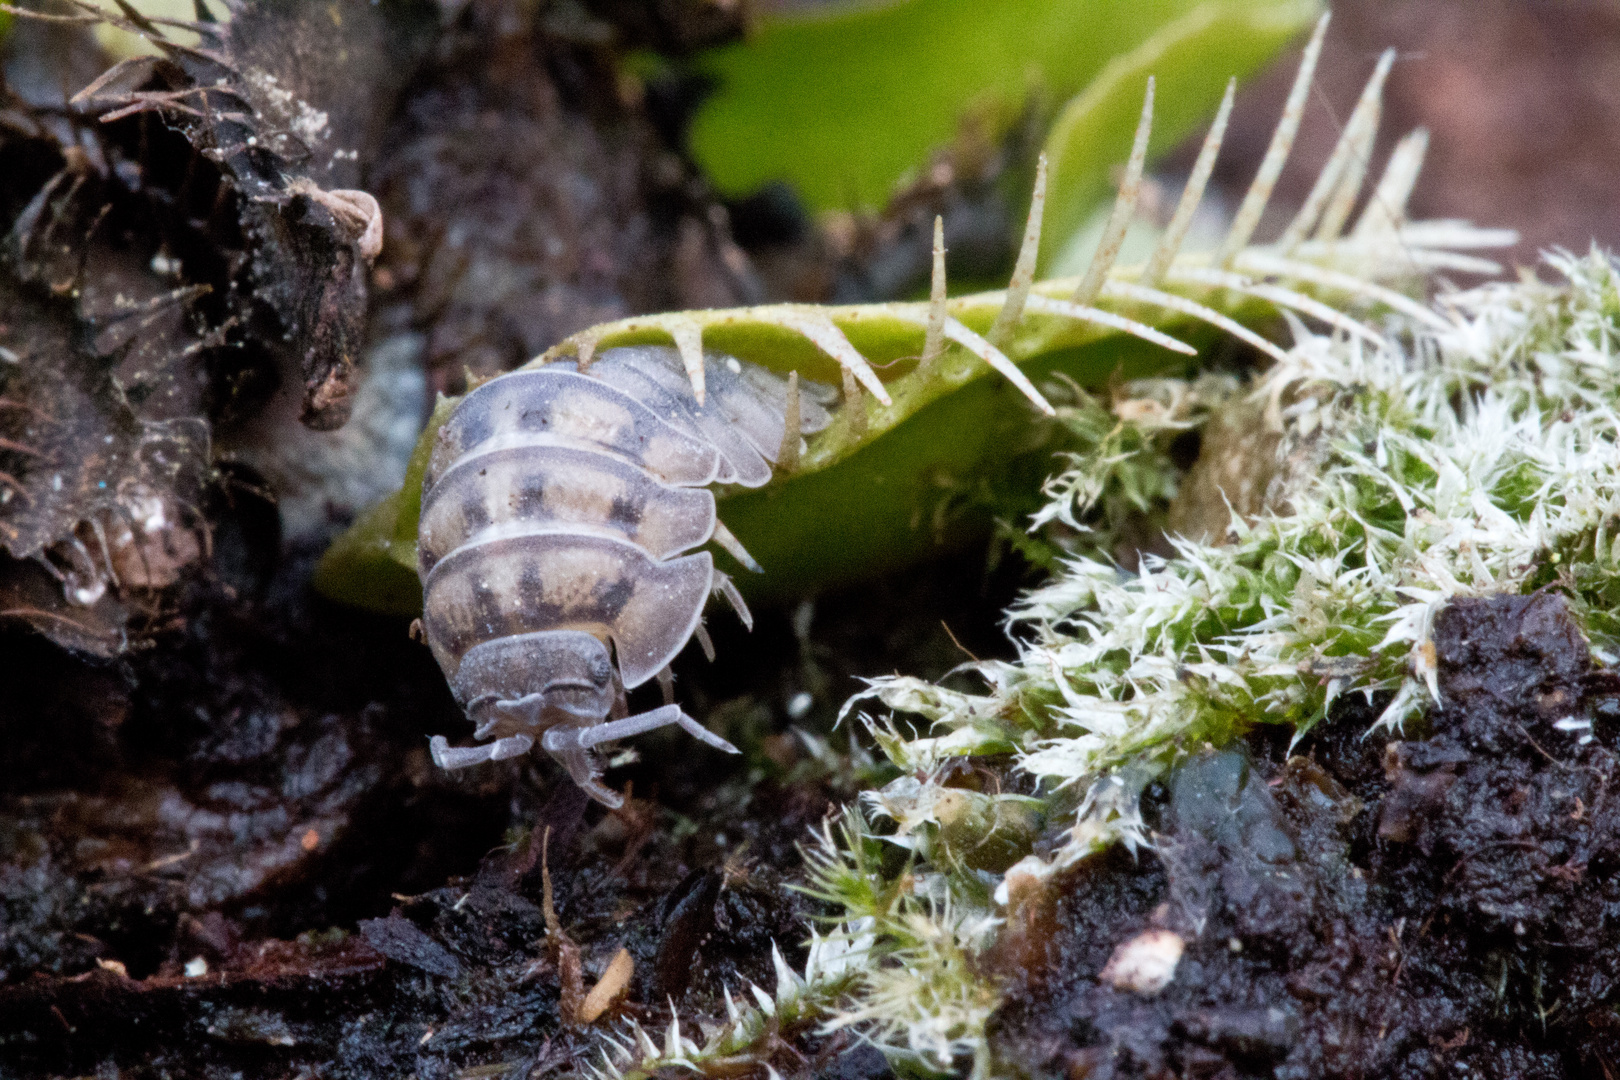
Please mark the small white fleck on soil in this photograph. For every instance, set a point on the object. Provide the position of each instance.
(1146, 963)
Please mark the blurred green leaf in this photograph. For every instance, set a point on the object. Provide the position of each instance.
(1191, 59)
(843, 104)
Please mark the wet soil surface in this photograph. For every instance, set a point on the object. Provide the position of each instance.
(231, 852)
(223, 846)
(1441, 903)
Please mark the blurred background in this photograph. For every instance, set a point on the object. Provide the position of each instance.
(1522, 98)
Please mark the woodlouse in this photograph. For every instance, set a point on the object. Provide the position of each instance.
(560, 513)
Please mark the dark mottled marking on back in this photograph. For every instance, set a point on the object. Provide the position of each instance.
(486, 604)
(473, 422)
(626, 513)
(612, 596)
(531, 583)
(533, 417)
(537, 613)
(474, 514)
(530, 497)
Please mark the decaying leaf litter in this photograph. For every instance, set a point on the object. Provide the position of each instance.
(330, 778)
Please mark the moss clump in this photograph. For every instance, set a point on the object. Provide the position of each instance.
(1472, 452)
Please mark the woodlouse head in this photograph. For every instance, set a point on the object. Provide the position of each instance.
(526, 683)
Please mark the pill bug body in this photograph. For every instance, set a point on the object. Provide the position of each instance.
(561, 513)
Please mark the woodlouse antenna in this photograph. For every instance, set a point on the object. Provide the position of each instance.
(1254, 202)
(1347, 163)
(1175, 233)
(1119, 221)
(1023, 276)
(934, 334)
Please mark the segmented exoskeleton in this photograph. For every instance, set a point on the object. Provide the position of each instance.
(560, 511)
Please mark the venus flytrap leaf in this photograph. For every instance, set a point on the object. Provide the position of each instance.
(1175, 233)
(1254, 203)
(881, 467)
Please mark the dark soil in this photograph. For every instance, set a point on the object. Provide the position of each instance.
(223, 847)
(1439, 904)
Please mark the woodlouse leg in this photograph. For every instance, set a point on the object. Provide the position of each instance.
(733, 547)
(568, 739)
(582, 766)
(666, 683)
(724, 587)
(621, 702)
(447, 757)
(704, 640)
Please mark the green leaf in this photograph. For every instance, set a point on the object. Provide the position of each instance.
(841, 105)
(930, 450)
(373, 564)
(936, 481)
(1191, 58)
(865, 496)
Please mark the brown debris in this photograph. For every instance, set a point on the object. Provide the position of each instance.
(611, 989)
(289, 108)
(524, 200)
(561, 950)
